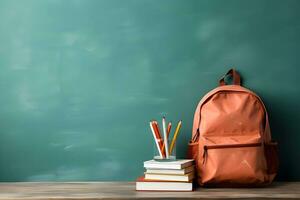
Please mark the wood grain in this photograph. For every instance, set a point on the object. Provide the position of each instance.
(126, 190)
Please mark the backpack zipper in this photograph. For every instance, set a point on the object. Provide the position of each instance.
(225, 146)
(196, 136)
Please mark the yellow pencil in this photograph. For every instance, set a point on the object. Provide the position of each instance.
(175, 137)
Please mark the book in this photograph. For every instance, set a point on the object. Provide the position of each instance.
(176, 164)
(170, 171)
(155, 185)
(170, 177)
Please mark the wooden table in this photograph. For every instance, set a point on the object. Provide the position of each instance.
(126, 190)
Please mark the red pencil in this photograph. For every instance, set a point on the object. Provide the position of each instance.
(169, 129)
(159, 138)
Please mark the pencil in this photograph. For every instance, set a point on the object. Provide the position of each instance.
(155, 139)
(175, 136)
(159, 138)
(169, 129)
(168, 134)
(165, 137)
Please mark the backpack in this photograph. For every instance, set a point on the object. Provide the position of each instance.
(231, 139)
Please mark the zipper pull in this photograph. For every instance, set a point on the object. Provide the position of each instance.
(204, 156)
(196, 136)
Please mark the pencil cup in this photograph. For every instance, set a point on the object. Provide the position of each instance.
(161, 156)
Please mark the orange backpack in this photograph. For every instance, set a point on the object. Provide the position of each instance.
(231, 139)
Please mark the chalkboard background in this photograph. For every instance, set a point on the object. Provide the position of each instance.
(80, 79)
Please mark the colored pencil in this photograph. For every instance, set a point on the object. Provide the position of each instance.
(169, 129)
(155, 139)
(165, 137)
(168, 134)
(175, 137)
(159, 137)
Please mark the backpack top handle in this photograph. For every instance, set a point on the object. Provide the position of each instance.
(235, 75)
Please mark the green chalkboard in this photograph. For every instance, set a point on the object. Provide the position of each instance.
(80, 80)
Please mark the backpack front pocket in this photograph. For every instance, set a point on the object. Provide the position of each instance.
(232, 164)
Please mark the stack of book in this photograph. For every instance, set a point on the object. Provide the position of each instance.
(174, 175)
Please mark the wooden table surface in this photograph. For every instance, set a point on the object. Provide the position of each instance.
(126, 190)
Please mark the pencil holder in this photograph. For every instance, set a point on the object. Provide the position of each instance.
(162, 155)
